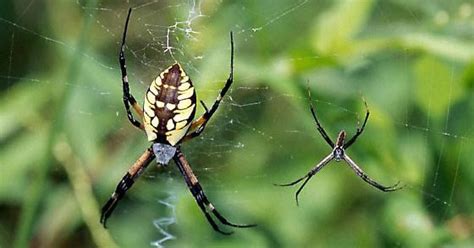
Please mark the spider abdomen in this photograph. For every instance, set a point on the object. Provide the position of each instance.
(169, 106)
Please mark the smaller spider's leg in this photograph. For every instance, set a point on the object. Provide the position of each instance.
(199, 195)
(126, 183)
(127, 96)
(359, 129)
(300, 189)
(319, 127)
(367, 179)
(199, 124)
(308, 176)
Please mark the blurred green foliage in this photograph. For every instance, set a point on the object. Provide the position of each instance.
(65, 141)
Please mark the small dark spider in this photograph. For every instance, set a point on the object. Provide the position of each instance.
(338, 153)
(167, 114)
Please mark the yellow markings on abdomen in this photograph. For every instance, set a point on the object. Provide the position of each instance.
(150, 97)
(185, 94)
(154, 87)
(169, 106)
(174, 136)
(184, 114)
(184, 104)
(181, 124)
(159, 104)
(155, 122)
(184, 86)
(149, 111)
(170, 124)
(184, 79)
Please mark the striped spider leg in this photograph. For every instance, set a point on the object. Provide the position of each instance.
(196, 190)
(126, 183)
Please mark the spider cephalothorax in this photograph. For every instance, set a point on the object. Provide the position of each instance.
(339, 149)
(167, 115)
(338, 153)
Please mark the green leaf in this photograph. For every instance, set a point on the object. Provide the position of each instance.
(337, 27)
(436, 86)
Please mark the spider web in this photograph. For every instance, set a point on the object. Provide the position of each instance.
(268, 104)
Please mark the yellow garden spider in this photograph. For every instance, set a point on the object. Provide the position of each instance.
(167, 114)
(338, 153)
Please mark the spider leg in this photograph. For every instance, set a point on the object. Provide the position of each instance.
(199, 124)
(204, 106)
(126, 183)
(359, 129)
(308, 176)
(128, 98)
(367, 179)
(319, 127)
(199, 195)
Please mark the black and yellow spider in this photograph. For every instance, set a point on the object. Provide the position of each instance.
(167, 114)
(338, 153)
